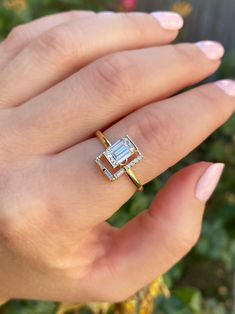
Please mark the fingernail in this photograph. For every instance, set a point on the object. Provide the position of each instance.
(208, 182)
(228, 86)
(212, 49)
(169, 20)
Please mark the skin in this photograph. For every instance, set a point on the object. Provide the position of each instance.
(60, 82)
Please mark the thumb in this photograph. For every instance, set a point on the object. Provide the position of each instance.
(156, 239)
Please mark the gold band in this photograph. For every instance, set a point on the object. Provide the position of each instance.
(134, 179)
(106, 143)
(103, 139)
(3, 301)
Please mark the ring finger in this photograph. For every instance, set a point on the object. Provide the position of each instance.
(165, 132)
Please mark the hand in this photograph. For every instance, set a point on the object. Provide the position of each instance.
(62, 78)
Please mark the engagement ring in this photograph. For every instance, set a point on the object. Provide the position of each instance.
(119, 158)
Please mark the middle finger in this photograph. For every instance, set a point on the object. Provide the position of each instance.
(103, 92)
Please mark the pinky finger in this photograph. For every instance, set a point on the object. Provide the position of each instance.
(157, 238)
(23, 34)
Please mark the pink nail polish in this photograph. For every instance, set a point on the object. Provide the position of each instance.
(212, 49)
(169, 20)
(208, 182)
(228, 86)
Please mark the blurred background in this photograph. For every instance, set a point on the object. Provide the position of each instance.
(204, 282)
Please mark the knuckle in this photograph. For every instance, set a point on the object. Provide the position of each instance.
(156, 126)
(208, 99)
(17, 35)
(186, 240)
(135, 23)
(184, 53)
(213, 103)
(114, 75)
(74, 13)
(57, 43)
(180, 239)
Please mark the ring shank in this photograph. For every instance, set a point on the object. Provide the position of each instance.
(134, 179)
(103, 139)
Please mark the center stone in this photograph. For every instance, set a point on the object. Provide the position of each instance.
(119, 152)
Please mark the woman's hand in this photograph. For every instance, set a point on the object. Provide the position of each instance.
(62, 78)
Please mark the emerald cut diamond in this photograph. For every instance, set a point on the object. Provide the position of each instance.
(120, 155)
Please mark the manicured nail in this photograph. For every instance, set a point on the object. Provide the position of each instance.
(228, 86)
(169, 20)
(212, 49)
(208, 182)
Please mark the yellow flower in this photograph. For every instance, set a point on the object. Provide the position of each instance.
(142, 302)
(182, 7)
(15, 5)
(96, 308)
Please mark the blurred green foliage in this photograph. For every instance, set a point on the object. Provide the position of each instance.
(204, 281)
